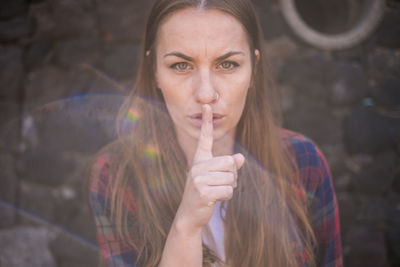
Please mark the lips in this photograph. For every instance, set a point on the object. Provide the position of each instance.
(199, 116)
(197, 119)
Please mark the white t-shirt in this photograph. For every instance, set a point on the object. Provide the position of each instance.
(213, 237)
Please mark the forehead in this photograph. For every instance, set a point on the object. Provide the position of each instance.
(198, 29)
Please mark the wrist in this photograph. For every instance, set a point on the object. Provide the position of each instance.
(183, 228)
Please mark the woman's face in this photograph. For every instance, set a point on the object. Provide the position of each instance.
(203, 57)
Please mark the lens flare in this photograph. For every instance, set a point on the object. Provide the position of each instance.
(151, 151)
(133, 115)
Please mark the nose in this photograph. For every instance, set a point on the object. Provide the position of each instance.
(205, 88)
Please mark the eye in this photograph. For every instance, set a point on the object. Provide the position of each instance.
(180, 66)
(228, 65)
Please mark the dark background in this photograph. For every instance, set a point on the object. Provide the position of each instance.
(64, 65)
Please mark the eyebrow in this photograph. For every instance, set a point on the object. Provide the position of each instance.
(178, 54)
(185, 57)
(229, 54)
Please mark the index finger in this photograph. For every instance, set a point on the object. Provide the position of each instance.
(204, 146)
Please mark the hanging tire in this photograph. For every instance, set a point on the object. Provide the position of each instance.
(368, 23)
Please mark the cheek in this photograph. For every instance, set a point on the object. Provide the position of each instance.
(240, 100)
(235, 88)
(175, 91)
(167, 81)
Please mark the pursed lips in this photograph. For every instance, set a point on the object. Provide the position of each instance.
(199, 116)
(197, 119)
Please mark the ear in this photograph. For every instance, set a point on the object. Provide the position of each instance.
(257, 54)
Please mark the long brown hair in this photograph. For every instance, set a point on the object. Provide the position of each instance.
(266, 222)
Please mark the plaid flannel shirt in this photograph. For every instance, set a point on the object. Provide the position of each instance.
(315, 176)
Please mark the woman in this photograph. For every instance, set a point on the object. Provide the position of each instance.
(204, 176)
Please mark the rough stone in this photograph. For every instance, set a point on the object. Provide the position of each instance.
(92, 80)
(393, 244)
(26, 246)
(354, 54)
(11, 72)
(8, 181)
(287, 98)
(396, 183)
(310, 114)
(83, 224)
(310, 82)
(36, 168)
(122, 20)
(386, 93)
(50, 86)
(44, 85)
(335, 154)
(272, 21)
(349, 207)
(388, 35)
(8, 112)
(74, 18)
(15, 28)
(280, 48)
(77, 179)
(378, 177)
(67, 203)
(348, 83)
(315, 121)
(119, 61)
(64, 19)
(322, 16)
(72, 52)
(9, 126)
(341, 182)
(277, 51)
(41, 14)
(367, 131)
(82, 123)
(37, 204)
(393, 230)
(358, 162)
(37, 53)
(376, 211)
(13, 8)
(393, 213)
(74, 264)
(383, 62)
(73, 248)
(365, 247)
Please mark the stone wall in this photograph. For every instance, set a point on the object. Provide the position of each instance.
(65, 65)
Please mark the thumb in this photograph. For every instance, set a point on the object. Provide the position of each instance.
(239, 160)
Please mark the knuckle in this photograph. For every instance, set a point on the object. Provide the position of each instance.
(228, 192)
(230, 161)
(197, 181)
(203, 195)
(231, 178)
(194, 171)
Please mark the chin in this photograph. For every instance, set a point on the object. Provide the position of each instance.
(223, 133)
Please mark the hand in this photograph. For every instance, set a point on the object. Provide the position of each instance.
(210, 179)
